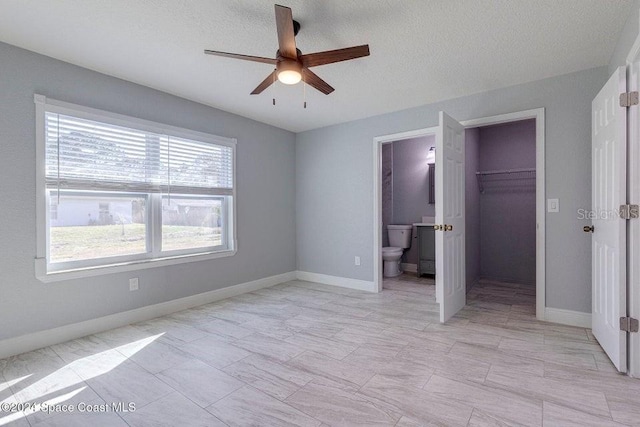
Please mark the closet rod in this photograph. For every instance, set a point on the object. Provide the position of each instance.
(526, 174)
(506, 171)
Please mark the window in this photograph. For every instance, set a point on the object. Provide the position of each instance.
(53, 210)
(86, 230)
(190, 222)
(122, 191)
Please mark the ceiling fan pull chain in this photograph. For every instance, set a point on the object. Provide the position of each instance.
(304, 89)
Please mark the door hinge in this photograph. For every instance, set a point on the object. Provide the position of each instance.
(628, 99)
(628, 324)
(629, 211)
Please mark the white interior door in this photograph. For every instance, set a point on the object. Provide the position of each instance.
(450, 207)
(609, 239)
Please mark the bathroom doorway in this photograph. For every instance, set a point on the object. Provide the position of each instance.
(405, 154)
(407, 198)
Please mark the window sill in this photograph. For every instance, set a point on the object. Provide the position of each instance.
(79, 273)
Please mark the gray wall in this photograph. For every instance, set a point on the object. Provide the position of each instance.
(507, 206)
(472, 206)
(334, 180)
(627, 38)
(411, 186)
(265, 182)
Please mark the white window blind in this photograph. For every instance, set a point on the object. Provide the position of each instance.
(84, 154)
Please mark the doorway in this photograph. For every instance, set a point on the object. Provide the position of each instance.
(500, 237)
(407, 196)
(379, 225)
(535, 114)
(408, 213)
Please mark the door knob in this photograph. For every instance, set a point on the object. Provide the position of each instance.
(448, 228)
(437, 227)
(588, 229)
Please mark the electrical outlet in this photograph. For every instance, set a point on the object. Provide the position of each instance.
(357, 261)
(553, 205)
(133, 284)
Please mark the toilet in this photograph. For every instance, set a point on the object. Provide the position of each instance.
(399, 240)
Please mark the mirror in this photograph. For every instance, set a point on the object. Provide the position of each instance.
(432, 186)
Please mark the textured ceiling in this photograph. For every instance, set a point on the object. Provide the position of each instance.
(422, 51)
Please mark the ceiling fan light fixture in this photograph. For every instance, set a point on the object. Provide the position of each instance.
(289, 77)
(289, 72)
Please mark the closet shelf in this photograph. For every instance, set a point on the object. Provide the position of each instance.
(504, 175)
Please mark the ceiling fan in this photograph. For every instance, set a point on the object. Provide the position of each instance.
(291, 65)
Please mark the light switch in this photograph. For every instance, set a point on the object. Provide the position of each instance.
(553, 205)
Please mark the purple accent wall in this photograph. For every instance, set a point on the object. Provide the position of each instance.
(472, 206)
(387, 190)
(508, 207)
(411, 186)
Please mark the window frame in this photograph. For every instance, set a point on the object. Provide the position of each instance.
(44, 270)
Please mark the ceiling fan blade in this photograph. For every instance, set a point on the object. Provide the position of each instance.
(243, 57)
(286, 35)
(265, 84)
(331, 56)
(316, 82)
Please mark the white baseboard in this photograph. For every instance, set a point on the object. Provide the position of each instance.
(36, 340)
(343, 282)
(409, 268)
(567, 317)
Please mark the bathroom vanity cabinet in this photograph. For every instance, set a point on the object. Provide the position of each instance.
(426, 249)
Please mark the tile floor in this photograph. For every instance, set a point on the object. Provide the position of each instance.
(307, 354)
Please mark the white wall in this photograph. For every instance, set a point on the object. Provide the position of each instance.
(334, 180)
(265, 182)
(627, 38)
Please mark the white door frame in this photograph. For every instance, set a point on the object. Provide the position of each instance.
(539, 115)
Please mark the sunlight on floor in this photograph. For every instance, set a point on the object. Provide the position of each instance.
(42, 394)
